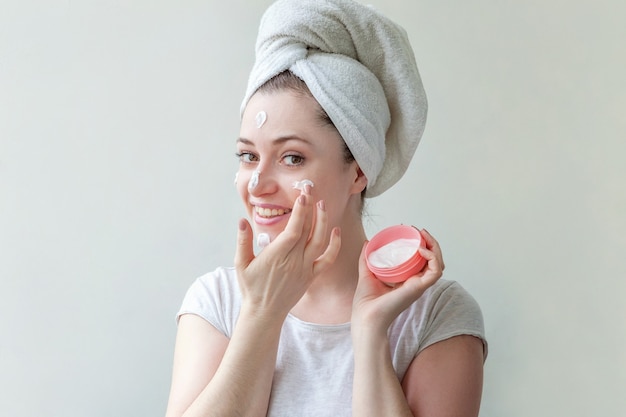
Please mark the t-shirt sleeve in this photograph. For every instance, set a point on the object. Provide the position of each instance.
(215, 298)
(454, 312)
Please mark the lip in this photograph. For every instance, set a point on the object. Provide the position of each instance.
(269, 206)
(268, 221)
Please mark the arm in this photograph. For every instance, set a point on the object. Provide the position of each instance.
(446, 379)
(215, 377)
(452, 368)
(198, 352)
(376, 389)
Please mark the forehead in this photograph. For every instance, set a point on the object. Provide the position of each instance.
(289, 118)
(282, 110)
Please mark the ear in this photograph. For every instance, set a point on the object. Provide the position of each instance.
(360, 181)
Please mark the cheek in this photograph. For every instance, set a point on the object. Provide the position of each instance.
(335, 189)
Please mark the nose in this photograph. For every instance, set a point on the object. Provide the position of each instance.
(262, 181)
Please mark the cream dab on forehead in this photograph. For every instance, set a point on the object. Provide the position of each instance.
(299, 185)
(260, 119)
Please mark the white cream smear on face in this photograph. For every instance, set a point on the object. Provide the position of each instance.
(254, 180)
(260, 119)
(394, 253)
(262, 240)
(299, 185)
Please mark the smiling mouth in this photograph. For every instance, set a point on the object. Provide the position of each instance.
(269, 213)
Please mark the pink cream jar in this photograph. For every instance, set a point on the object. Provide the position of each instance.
(393, 253)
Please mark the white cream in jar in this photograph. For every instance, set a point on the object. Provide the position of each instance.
(394, 253)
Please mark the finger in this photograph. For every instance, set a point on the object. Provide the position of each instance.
(327, 258)
(299, 224)
(411, 289)
(430, 240)
(433, 245)
(308, 208)
(433, 269)
(363, 269)
(319, 234)
(367, 279)
(415, 285)
(244, 252)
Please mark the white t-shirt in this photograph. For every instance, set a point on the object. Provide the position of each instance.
(314, 366)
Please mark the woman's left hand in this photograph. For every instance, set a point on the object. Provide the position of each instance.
(376, 304)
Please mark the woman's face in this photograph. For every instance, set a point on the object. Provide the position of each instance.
(291, 143)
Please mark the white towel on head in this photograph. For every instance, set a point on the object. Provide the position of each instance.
(360, 67)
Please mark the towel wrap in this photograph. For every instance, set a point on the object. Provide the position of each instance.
(360, 67)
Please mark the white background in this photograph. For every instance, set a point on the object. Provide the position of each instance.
(117, 129)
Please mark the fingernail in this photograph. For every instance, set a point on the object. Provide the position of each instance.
(321, 205)
(307, 189)
(242, 225)
(301, 199)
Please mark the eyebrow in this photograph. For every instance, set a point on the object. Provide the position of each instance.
(278, 141)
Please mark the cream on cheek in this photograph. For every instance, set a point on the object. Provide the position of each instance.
(299, 185)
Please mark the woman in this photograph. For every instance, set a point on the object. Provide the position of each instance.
(303, 328)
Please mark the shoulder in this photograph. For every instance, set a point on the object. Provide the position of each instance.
(444, 297)
(446, 370)
(445, 310)
(451, 298)
(217, 284)
(216, 297)
(222, 279)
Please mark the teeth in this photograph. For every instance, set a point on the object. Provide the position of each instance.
(266, 212)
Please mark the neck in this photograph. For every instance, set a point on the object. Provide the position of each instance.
(329, 298)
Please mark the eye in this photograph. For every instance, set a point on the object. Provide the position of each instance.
(247, 157)
(293, 160)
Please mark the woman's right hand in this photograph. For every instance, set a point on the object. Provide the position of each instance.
(275, 280)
